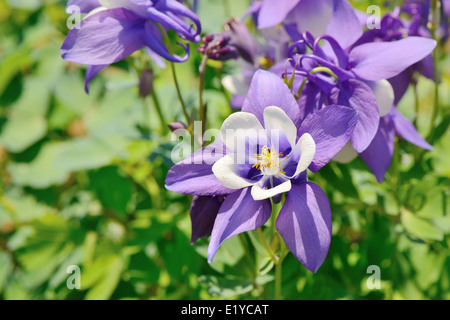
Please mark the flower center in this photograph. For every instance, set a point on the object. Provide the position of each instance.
(269, 162)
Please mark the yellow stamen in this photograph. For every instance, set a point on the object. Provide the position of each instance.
(269, 162)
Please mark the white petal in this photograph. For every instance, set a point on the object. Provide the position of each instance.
(95, 11)
(307, 148)
(384, 93)
(225, 171)
(275, 119)
(236, 84)
(240, 127)
(259, 193)
(347, 154)
(110, 4)
(127, 4)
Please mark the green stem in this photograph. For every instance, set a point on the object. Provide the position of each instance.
(266, 246)
(278, 272)
(180, 97)
(433, 28)
(396, 175)
(299, 92)
(202, 107)
(416, 101)
(174, 75)
(159, 112)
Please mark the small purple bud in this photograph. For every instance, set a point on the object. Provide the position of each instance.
(176, 126)
(217, 47)
(146, 83)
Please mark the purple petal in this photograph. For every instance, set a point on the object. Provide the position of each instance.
(312, 16)
(446, 6)
(384, 60)
(171, 21)
(400, 83)
(104, 38)
(203, 212)
(238, 213)
(378, 155)
(155, 57)
(344, 25)
(179, 10)
(310, 99)
(358, 95)
(194, 175)
(273, 12)
(153, 40)
(91, 73)
(253, 10)
(330, 128)
(304, 223)
(267, 89)
(406, 130)
(84, 5)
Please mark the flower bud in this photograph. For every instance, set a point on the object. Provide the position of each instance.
(176, 126)
(217, 47)
(146, 83)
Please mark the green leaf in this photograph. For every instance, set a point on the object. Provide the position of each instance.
(6, 267)
(112, 189)
(108, 277)
(44, 171)
(226, 288)
(421, 228)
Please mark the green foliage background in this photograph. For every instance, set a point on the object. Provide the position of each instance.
(82, 183)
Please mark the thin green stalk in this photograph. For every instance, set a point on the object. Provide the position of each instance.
(180, 97)
(174, 74)
(266, 246)
(159, 112)
(278, 271)
(299, 92)
(433, 28)
(396, 174)
(416, 101)
(145, 116)
(202, 107)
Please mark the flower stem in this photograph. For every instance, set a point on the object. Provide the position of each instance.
(202, 107)
(174, 74)
(266, 246)
(159, 112)
(180, 97)
(433, 28)
(278, 271)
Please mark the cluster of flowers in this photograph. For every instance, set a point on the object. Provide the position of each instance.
(321, 87)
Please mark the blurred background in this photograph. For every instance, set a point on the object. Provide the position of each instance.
(82, 183)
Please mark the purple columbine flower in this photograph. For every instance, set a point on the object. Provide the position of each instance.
(358, 77)
(394, 28)
(335, 18)
(263, 152)
(121, 27)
